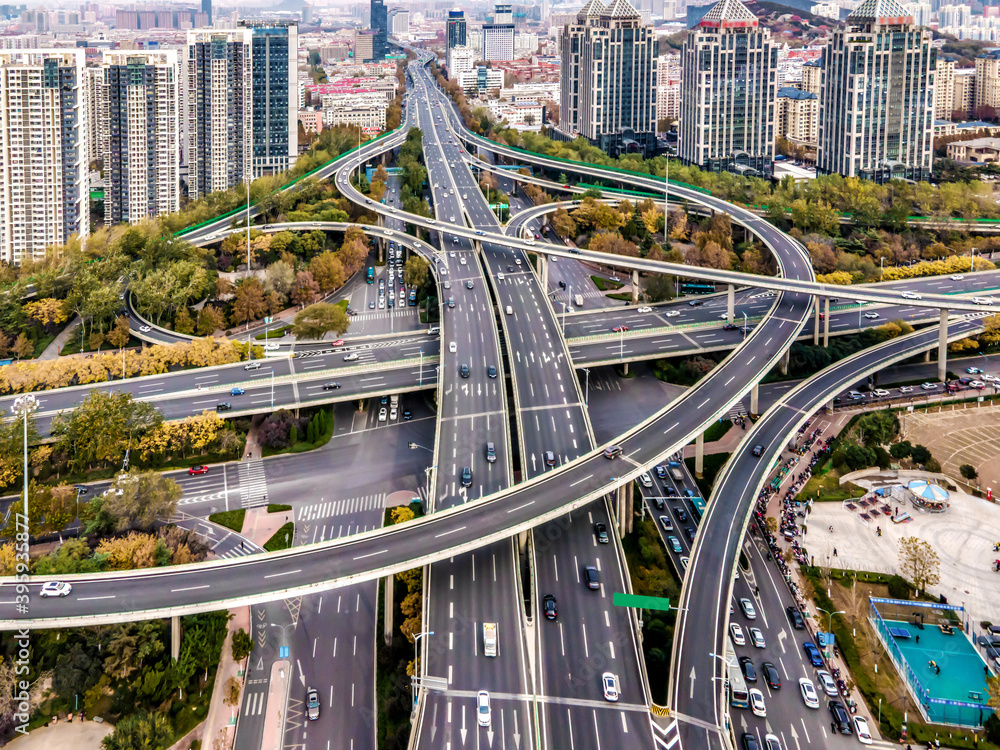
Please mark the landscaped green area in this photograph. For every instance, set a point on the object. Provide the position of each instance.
(717, 430)
(278, 507)
(283, 432)
(281, 539)
(231, 519)
(605, 284)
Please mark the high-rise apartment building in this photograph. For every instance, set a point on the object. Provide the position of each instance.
(728, 92)
(44, 162)
(964, 99)
(986, 101)
(206, 8)
(140, 94)
(219, 100)
(364, 46)
(399, 21)
(380, 26)
(944, 88)
(456, 28)
(274, 69)
(812, 76)
(608, 78)
(498, 37)
(877, 103)
(797, 116)
(97, 114)
(460, 60)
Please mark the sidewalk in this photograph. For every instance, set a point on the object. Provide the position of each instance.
(53, 349)
(259, 525)
(221, 720)
(276, 711)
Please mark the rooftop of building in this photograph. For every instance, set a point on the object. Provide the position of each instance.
(881, 11)
(980, 143)
(790, 92)
(728, 14)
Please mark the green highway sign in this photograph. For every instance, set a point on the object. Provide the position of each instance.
(640, 602)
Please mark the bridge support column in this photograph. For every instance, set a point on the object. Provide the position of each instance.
(620, 511)
(635, 287)
(388, 583)
(543, 272)
(927, 356)
(783, 362)
(522, 542)
(629, 512)
(730, 303)
(826, 322)
(943, 347)
(699, 455)
(175, 637)
(754, 396)
(815, 321)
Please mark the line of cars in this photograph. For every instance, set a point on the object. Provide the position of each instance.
(976, 378)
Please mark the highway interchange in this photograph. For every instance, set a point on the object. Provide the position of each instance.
(470, 413)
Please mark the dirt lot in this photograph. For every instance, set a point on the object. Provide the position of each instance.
(959, 436)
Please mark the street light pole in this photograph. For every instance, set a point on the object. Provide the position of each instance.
(586, 392)
(421, 372)
(25, 405)
(745, 324)
(272, 387)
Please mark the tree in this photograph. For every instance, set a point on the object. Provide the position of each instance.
(353, 254)
(563, 223)
(328, 271)
(249, 303)
(139, 731)
(242, 645)
(316, 320)
(919, 562)
(137, 500)
(210, 320)
(416, 272)
(280, 277)
(968, 471)
(48, 312)
(305, 291)
(23, 347)
(120, 332)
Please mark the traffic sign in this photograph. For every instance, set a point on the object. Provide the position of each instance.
(640, 602)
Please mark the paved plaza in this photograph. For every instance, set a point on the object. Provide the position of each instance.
(957, 436)
(963, 538)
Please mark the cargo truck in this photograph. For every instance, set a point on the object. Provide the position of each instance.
(490, 638)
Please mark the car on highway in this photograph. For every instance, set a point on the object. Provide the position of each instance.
(451, 302)
(757, 703)
(331, 386)
(736, 631)
(974, 370)
(236, 391)
(871, 316)
(671, 313)
(771, 675)
(271, 347)
(684, 562)
(674, 543)
(928, 386)
(371, 305)
(880, 393)
(809, 696)
(452, 347)
(517, 261)
(795, 617)
(749, 741)
(771, 742)
(383, 414)
(466, 476)
(251, 366)
(862, 730)
(485, 717)
(464, 371)
(55, 588)
(645, 309)
(689, 532)
(661, 472)
(145, 329)
(748, 611)
(352, 357)
(620, 329)
(223, 406)
(312, 704)
(645, 480)
(469, 284)
(730, 327)
(756, 637)
(841, 718)
(906, 389)
(591, 577)
(609, 682)
(812, 654)
(393, 413)
(197, 470)
(612, 451)
(748, 669)
(758, 450)
(680, 514)
(666, 523)
(982, 301)
(549, 607)
(912, 295)
(601, 532)
(826, 682)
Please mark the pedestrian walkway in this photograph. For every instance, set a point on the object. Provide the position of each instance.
(253, 483)
(53, 349)
(332, 508)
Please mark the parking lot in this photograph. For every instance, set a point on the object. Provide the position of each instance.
(957, 436)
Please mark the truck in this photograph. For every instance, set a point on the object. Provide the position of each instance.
(490, 647)
(394, 400)
(675, 471)
(578, 300)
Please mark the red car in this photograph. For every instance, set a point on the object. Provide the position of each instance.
(619, 329)
(198, 470)
(338, 342)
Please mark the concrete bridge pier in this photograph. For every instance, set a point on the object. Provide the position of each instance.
(815, 321)
(826, 322)
(754, 398)
(543, 271)
(783, 362)
(620, 511)
(730, 303)
(175, 637)
(943, 347)
(635, 287)
(699, 455)
(387, 583)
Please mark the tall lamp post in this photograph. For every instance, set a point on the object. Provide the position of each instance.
(413, 680)
(24, 406)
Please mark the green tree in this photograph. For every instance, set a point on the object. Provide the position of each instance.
(416, 272)
(210, 320)
(101, 428)
(140, 731)
(136, 501)
(242, 645)
(968, 471)
(321, 318)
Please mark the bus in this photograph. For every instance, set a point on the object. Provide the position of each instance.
(688, 288)
(698, 507)
(371, 275)
(736, 686)
(412, 299)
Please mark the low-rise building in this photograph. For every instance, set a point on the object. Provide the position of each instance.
(978, 151)
(480, 79)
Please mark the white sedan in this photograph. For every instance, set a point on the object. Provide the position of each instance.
(145, 329)
(382, 414)
(912, 295)
(610, 683)
(645, 309)
(55, 588)
(872, 316)
(861, 727)
(737, 632)
(757, 703)
(956, 277)
(671, 313)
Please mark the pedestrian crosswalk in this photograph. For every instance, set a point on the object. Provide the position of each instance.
(397, 312)
(332, 508)
(233, 550)
(253, 483)
(736, 410)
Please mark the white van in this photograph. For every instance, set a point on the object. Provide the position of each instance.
(510, 310)
(434, 329)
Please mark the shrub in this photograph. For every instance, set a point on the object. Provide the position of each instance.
(968, 471)
(898, 588)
